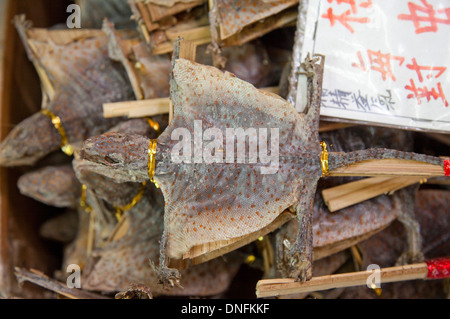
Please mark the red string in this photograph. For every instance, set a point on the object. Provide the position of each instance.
(447, 167)
(438, 268)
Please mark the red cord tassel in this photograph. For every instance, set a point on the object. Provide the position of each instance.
(447, 167)
(438, 268)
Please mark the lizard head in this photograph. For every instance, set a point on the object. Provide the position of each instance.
(118, 153)
(30, 140)
(52, 185)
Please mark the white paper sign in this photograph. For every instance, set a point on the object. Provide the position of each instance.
(385, 61)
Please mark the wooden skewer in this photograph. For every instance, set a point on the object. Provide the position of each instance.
(326, 126)
(355, 192)
(40, 279)
(389, 167)
(140, 108)
(279, 287)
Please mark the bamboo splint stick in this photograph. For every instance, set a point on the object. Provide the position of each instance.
(40, 279)
(353, 193)
(134, 109)
(433, 269)
(389, 167)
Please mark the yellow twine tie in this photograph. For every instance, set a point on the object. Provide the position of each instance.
(324, 159)
(83, 203)
(121, 209)
(56, 121)
(154, 125)
(151, 161)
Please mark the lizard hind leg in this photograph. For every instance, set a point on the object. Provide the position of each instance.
(299, 254)
(413, 254)
(169, 277)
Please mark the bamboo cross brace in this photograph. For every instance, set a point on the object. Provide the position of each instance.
(352, 193)
(287, 286)
(40, 279)
(390, 167)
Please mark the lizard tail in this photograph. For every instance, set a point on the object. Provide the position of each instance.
(338, 159)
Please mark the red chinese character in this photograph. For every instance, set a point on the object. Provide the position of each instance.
(428, 17)
(361, 64)
(379, 62)
(424, 92)
(366, 4)
(419, 68)
(344, 19)
(352, 4)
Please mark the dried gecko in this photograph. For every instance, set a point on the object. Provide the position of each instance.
(83, 78)
(383, 248)
(94, 11)
(233, 16)
(149, 74)
(125, 260)
(234, 23)
(254, 62)
(234, 199)
(127, 257)
(52, 185)
(58, 185)
(365, 218)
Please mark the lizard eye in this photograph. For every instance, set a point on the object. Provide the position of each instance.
(111, 160)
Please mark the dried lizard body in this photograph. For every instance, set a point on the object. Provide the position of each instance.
(233, 16)
(94, 11)
(338, 230)
(52, 185)
(59, 186)
(148, 73)
(75, 90)
(208, 200)
(384, 248)
(61, 228)
(252, 63)
(124, 259)
(148, 127)
(29, 141)
(77, 251)
(355, 223)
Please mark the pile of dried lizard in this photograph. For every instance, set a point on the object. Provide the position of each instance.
(138, 222)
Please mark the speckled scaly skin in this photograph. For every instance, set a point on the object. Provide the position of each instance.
(219, 201)
(365, 217)
(124, 261)
(60, 187)
(52, 185)
(235, 15)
